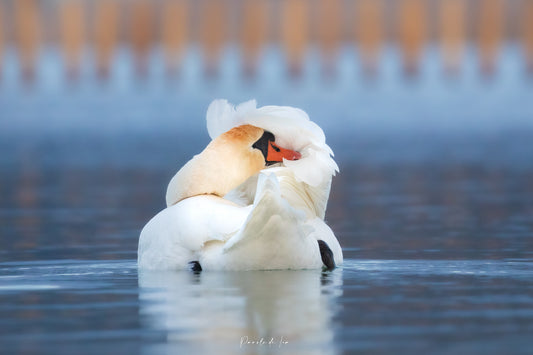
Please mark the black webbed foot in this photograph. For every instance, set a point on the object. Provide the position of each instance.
(327, 255)
(195, 266)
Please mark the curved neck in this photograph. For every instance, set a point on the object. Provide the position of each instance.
(221, 167)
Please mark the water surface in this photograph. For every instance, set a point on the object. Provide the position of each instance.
(437, 306)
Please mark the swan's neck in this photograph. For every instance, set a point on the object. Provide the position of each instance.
(218, 169)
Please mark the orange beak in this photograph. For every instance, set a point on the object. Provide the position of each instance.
(276, 153)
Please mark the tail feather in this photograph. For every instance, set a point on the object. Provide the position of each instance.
(274, 236)
(270, 211)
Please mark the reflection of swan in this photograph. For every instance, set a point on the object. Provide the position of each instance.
(216, 312)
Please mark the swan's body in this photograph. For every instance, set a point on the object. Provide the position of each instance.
(228, 210)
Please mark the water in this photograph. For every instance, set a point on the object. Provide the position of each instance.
(434, 213)
(437, 306)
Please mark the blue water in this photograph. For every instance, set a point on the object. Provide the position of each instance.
(437, 306)
(433, 207)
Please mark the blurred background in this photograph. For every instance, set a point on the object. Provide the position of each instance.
(81, 31)
(427, 104)
(416, 96)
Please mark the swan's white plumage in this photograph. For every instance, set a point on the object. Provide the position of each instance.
(177, 234)
(275, 235)
(272, 220)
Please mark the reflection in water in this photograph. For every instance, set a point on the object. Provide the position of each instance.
(215, 312)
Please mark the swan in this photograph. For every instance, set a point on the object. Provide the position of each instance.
(253, 199)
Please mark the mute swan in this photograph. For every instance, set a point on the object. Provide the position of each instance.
(254, 198)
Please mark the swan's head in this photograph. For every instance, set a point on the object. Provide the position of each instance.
(292, 130)
(230, 159)
(245, 140)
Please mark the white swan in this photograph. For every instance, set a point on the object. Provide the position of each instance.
(246, 203)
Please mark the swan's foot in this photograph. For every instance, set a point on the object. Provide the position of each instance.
(195, 266)
(326, 254)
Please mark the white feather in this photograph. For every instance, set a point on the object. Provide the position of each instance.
(271, 221)
(274, 236)
(176, 234)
